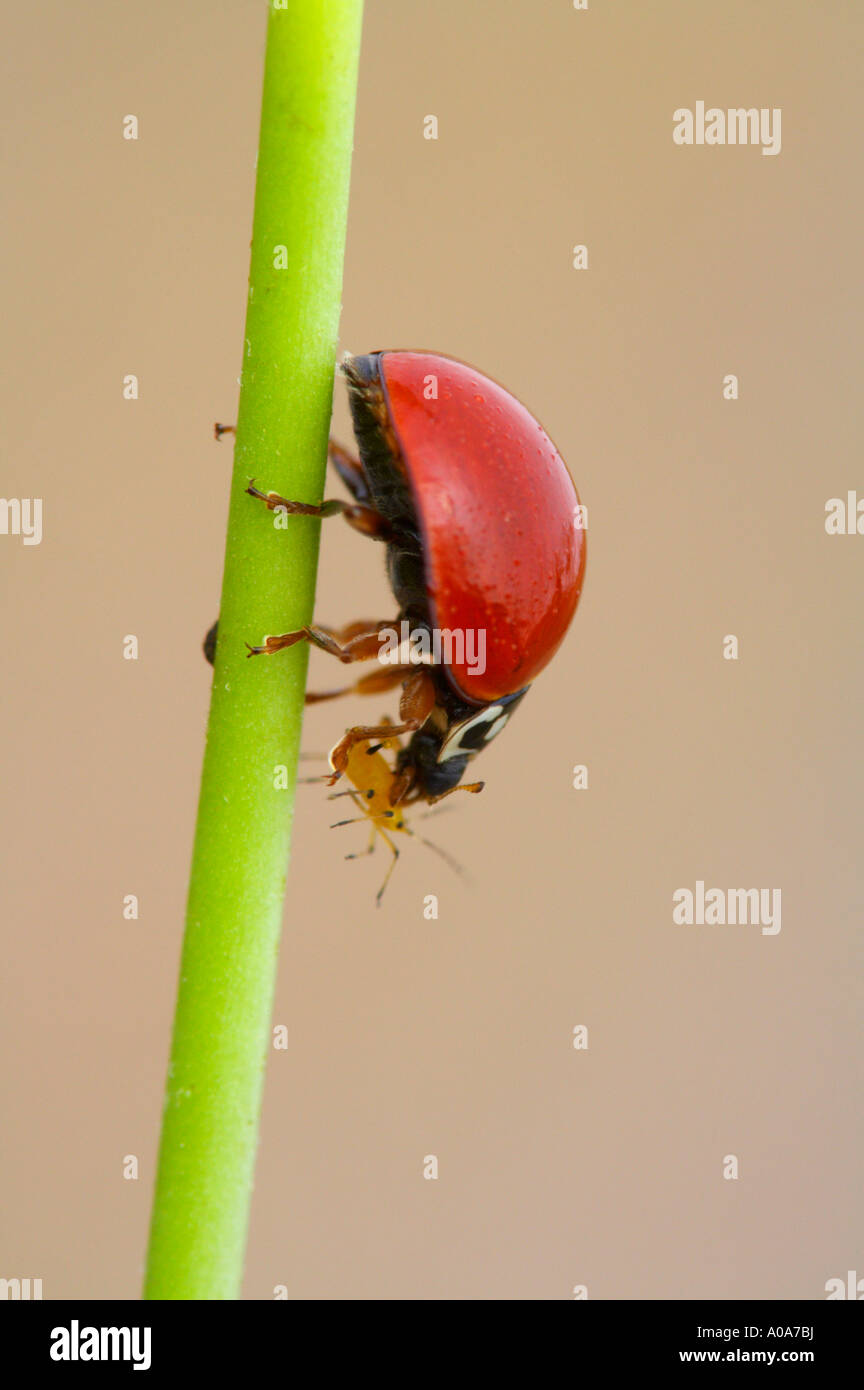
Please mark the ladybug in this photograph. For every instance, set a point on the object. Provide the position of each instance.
(485, 556)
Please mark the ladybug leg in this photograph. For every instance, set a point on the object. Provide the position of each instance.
(415, 706)
(373, 684)
(392, 740)
(275, 502)
(363, 646)
(363, 519)
(343, 642)
(465, 787)
(349, 468)
(351, 471)
(401, 785)
(418, 699)
(367, 521)
(209, 645)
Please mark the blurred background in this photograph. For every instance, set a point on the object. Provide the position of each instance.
(407, 1037)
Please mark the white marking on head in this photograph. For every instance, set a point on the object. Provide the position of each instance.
(467, 739)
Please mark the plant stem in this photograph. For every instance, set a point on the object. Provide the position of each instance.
(242, 841)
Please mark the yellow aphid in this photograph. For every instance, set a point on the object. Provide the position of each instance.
(372, 778)
(373, 784)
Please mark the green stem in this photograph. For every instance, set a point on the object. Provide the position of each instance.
(222, 1023)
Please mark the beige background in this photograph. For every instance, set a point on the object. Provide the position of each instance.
(410, 1037)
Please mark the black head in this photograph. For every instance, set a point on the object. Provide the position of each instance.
(439, 753)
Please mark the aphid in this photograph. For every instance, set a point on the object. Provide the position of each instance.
(485, 537)
(372, 780)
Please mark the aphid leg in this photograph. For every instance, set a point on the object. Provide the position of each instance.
(415, 706)
(355, 820)
(352, 820)
(370, 848)
(390, 845)
(361, 854)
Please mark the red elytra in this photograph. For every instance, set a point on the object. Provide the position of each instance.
(503, 541)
